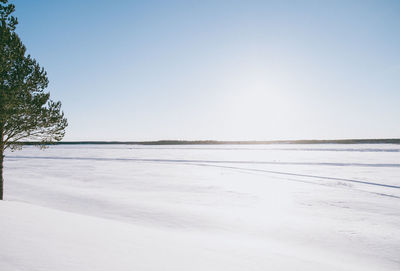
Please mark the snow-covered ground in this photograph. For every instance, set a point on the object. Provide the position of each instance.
(230, 207)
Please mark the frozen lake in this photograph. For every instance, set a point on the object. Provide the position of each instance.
(202, 207)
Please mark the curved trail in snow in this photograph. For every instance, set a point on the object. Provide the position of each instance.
(303, 175)
(218, 162)
(389, 165)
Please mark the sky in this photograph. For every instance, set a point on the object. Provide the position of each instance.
(222, 70)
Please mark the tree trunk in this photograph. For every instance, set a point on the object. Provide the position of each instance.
(1, 160)
(1, 172)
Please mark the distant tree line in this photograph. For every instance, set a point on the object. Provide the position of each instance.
(216, 142)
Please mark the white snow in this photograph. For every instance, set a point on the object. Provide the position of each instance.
(275, 207)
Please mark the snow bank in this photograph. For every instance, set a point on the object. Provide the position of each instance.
(37, 238)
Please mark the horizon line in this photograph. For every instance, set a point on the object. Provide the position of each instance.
(221, 142)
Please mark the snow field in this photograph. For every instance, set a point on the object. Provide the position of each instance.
(275, 207)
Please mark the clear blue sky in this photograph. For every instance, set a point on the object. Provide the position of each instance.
(225, 70)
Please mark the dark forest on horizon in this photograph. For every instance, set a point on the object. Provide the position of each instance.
(216, 142)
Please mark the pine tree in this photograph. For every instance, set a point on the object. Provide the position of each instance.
(26, 111)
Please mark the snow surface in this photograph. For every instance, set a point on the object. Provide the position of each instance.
(230, 207)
